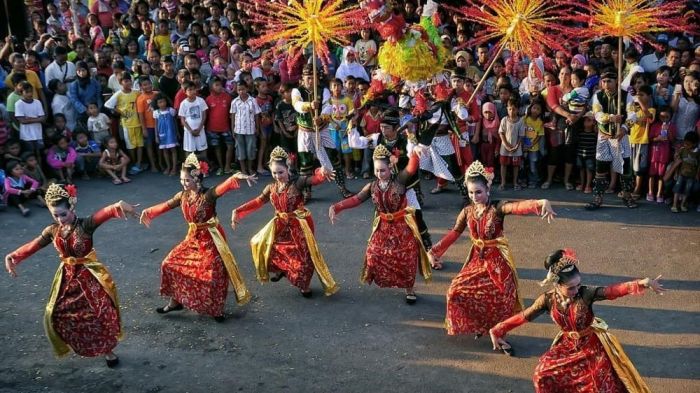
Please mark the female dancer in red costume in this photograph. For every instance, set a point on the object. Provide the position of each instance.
(395, 250)
(584, 356)
(195, 273)
(83, 310)
(286, 245)
(485, 291)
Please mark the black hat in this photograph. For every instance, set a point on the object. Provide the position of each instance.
(459, 73)
(608, 74)
(391, 117)
(308, 70)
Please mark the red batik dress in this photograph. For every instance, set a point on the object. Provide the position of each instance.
(584, 357)
(394, 250)
(287, 244)
(485, 291)
(82, 313)
(196, 272)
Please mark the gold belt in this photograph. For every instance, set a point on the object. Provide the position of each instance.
(299, 214)
(577, 335)
(393, 216)
(92, 256)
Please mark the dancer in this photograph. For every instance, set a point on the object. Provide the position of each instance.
(394, 250)
(309, 123)
(400, 146)
(194, 273)
(485, 291)
(584, 356)
(286, 245)
(82, 314)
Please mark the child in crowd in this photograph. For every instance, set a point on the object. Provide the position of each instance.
(98, 124)
(123, 103)
(193, 116)
(264, 100)
(19, 188)
(30, 114)
(370, 125)
(33, 170)
(148, 123)
(366, 49)
(88, 152)
(218, 125)
(489, 143)
(585, 152)
(689, 158)
(61, 103)
(577, 99)
(60, 128)
(640, 115)
(341, 109)
(166, 132)
(662, 90)
(285, 119)
(661, 133)
(61, 159)
(13, 150)
(114, 162)
(533, 140)
(245, 114)
(511, 131)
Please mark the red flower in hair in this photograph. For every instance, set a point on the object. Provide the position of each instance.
(569, 253)
(72, 190)
(292, 157)
(488, 170)
(396, 152)
(204, 167)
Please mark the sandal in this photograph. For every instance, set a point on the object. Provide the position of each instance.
(220, 318)
(117, 182)
(610, 191)
(507, 351)
(307, 294)
(579, 187)
(674, 209)
(630, 203)
(517, 187)
(569, 186)
(545, 185)
(278, 276)
(411, 298)
(478, 336)
(684, 208)
(501, 187)
(167, 309)
(126, 180)
(595, 205)
(112, 363)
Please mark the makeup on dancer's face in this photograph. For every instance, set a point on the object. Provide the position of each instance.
(571, 288)
(478, 192)
(187, 181)
(61, 214)
(279, 172)
(381, 170)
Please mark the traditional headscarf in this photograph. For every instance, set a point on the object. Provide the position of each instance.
(490, 107)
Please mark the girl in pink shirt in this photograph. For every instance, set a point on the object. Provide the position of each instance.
(61, 158)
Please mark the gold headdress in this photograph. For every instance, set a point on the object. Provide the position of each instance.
(565, 264)
(193, 161)
(381, 153)
(478, 169)
(56, 192)
(278, 154)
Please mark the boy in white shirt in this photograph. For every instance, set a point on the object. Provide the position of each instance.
(30, 115)
(193, 115)
(98, 124)
(60, 103)
(245, 123)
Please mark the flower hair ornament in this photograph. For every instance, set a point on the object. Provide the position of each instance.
(478, 169)
(381, 153)
(56, 192)
(565, 264)
(200, 167)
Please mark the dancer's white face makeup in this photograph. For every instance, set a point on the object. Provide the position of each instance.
(61, 214)
(478, 192)
(381, 170)
(279, 172)
(571, 288)
(188, 182)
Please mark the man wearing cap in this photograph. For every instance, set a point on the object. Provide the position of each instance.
(400, 146)
(653, 61)
(308, 122)
(613, 147)
(60, 68)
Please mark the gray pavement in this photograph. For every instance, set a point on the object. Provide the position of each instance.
(363, 339)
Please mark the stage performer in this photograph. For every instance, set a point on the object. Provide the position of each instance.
(485, 291)
(584, 356)
(394, 251)
(286, 245)
(82, 313)
(309, 123)
(195, 273)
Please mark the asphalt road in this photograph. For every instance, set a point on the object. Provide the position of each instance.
(363, 339)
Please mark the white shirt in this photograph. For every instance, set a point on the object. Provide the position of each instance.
(29, 132)
(245, 112)
(193, 111)
(651, 63)
(62, 104)
(60, 72)
(255, 72)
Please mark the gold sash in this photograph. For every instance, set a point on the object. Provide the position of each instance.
(261, 245)
(502, 244)
(102, 275)
(408, 214)
(621, 363)
(242, 294)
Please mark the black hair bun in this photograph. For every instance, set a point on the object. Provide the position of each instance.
(553, 258)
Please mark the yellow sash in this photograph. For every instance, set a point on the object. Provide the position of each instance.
(242, 294)
(261, 245)
(502, 244)
(623, 366)
(408, 214)
(102, 275)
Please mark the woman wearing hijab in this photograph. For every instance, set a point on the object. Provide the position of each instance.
(350, 66)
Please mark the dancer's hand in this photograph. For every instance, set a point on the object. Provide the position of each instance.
(420, 150)
(497, 342)
(435, 262)
(250, 179)
(10, 265)
(127, 209)
(328, 174)
(145, 218)
(547, 211)
(654, 284)
(233, 219)
(331, 214)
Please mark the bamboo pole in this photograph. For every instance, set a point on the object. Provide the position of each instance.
(619, 80)
(315, 96)
(483, 77)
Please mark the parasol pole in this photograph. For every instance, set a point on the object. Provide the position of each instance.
(315, 95)
(619, 80)
(483, 77)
